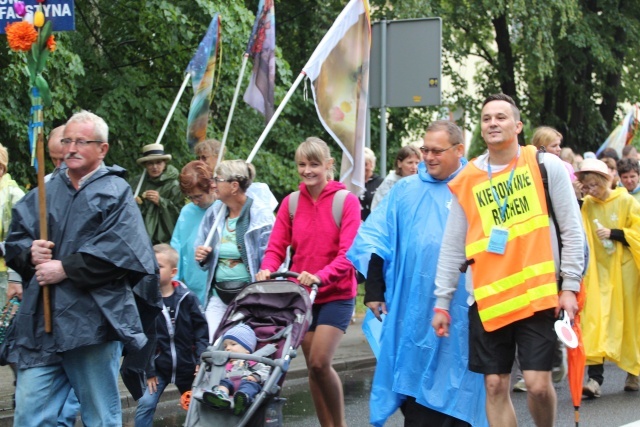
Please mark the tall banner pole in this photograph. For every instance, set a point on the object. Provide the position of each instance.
(173, 107)
(144, 173)
(214, 227)
(301, 76)
(165, 125)
(266, 130)
(232, 109)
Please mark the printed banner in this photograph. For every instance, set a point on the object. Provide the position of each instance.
(262, 48)
(339, 72)
(202, 69)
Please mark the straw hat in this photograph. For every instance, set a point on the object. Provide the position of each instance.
(153, 152)
(595, 166)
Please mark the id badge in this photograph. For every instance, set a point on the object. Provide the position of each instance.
(498, 240)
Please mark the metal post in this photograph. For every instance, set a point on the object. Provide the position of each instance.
(383, 97)
(367, 140)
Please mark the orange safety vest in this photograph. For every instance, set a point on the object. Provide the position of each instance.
(514, 285)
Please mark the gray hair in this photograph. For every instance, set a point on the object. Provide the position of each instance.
(454, 131)
(56, 135)
(211, 145)
(100, 128)
(237, 170)
(370, 156)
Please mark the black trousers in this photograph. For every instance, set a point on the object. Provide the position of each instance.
(416, 415)
(596, 372)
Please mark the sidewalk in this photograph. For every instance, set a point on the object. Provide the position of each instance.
(352, 354)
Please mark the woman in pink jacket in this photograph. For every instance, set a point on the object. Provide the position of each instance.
(318, 247)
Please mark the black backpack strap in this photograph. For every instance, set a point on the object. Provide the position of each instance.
(552, 215)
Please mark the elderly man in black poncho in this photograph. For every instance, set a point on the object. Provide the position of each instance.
(102, 275)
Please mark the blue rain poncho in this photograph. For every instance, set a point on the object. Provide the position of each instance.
(183, 240)
(406, 232)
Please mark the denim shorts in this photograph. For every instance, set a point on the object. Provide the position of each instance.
(333, 313)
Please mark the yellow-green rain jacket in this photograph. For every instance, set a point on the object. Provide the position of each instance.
(611, 316)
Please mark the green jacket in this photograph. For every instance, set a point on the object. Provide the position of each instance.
(160, 220)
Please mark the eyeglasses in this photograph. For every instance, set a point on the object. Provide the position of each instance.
(79, 142)
(435, 151)
(203, 158)
(196, 198)
(589, 187)
(216, 179)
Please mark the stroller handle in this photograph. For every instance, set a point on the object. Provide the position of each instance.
(294, 275)
(285, 274)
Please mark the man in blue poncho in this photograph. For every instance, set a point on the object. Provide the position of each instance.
(397, 247)
(102, 276)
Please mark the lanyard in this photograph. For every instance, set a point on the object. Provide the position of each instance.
(503, 207)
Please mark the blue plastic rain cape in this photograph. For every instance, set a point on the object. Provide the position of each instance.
(183, 240)
(406, 232)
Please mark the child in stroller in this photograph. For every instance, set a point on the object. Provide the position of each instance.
(279, 313)
(243, 379)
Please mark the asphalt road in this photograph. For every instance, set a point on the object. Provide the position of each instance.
(615, 408)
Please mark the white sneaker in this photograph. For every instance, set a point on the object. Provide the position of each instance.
(591, 389)
(559, 373)
(519, 386)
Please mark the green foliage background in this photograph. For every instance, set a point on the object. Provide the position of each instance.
(568, 63)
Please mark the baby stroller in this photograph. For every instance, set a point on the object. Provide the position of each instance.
(279, 311)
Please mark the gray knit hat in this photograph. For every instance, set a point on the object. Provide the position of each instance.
(243, 335)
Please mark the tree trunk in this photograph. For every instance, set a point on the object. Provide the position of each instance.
(506, 61)
(613, 80)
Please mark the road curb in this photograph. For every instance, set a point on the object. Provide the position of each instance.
(172, 393)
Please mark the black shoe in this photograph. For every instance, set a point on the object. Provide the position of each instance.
(216, 399)
(241, 402)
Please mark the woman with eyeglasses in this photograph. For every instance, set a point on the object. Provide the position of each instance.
(611, 319)
(407, 161)
(208, 152)
(239, 241)
(196, 183)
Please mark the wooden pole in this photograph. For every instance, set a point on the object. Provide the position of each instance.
(44, 235)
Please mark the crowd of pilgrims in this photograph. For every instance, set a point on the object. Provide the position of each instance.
(179, 207)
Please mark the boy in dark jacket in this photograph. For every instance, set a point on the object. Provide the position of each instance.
(182, 335)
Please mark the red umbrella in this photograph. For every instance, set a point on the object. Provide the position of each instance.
(576, 358)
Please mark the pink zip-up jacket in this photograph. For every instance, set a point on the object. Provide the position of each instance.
(318, 246)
